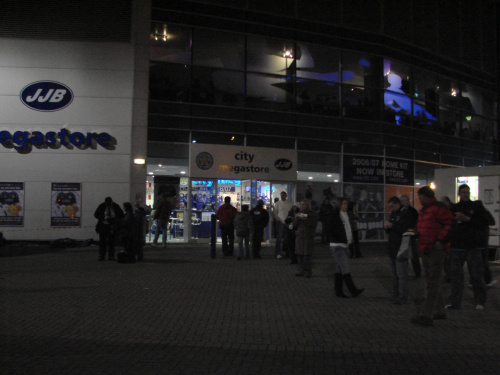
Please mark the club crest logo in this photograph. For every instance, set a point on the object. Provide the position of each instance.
(204, 160)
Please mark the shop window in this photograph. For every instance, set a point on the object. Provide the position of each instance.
(219, 87)
(361, 70)
(218, 49)
(169, 82)
(268, 55)
(270, 92)
(360, 103)
(170, 43)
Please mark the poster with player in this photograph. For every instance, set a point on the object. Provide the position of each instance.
(66, 203)
(11, 203)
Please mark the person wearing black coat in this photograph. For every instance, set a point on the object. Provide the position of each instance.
(290, 234)
(260, 218)
(399, 222)
(467, 243)
(108, 215)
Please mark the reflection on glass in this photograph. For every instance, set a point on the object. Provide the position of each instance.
(271, 92)
(175, 49)
(218, 49)
(360, 102)
(169, 82)
(268, 55)
(215, 86)
(395, 99)
(360, 70)
(317, 97)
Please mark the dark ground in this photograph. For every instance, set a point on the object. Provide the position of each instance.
(180, 312)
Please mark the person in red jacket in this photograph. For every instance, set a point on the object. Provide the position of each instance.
(226, 214)
(434, 222)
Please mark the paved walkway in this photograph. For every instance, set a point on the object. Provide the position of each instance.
(180, 312)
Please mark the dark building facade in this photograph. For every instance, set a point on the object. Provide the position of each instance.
(372, 95)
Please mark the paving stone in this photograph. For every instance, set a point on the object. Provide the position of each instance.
(180, 312)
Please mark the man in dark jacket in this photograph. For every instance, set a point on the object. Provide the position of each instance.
(466, 246)
(226, 214)
(108, 215)
(162, 217)
(434, 221)
(260, 220)
(399, 222)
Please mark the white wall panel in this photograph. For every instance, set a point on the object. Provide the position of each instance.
(101, 76)
(83, 83)
(95, 111)
(57, 54)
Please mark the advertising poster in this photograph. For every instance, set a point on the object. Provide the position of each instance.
(11, 203)
(66, 204)
(399, 172)
(370, 198)
(363, 169)
(398, 191)
(318, 191)
(371, 227)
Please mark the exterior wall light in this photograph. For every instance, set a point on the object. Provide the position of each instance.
(139, 161)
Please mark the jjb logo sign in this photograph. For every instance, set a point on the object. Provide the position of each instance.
(46, 96)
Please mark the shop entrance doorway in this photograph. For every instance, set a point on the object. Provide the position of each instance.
(208, 195)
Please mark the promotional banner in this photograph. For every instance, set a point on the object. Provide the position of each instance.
(11, 203)
(242, 163)
(66, 203)
(363, 169)
(369, 198)
(399, 172)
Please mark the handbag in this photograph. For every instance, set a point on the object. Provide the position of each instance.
(405, 248)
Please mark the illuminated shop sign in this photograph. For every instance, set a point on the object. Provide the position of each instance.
(23, 140)
(230, 163)
(46, 96)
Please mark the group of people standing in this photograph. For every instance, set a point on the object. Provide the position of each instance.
(457, 232)
(125, 224)
(295, 235)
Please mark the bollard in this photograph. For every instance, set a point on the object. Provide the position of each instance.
(213, 236)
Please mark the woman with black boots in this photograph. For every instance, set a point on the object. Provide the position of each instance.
(340, 237)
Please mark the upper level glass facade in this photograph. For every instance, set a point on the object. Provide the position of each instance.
(246, 74)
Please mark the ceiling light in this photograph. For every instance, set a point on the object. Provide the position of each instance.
(328, 175)
(139, 161)
(183, 172)
(310, 177)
